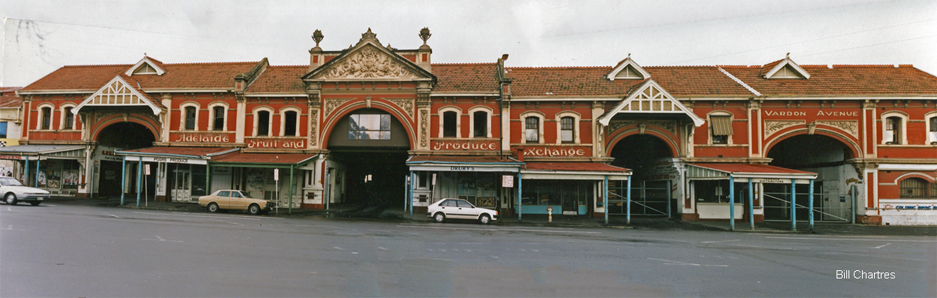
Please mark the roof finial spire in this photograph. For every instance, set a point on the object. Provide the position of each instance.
(629, 55)
(788, 55)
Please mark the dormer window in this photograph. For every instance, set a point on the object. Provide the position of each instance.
(787, 73)
(629, 73)
(145, 69)
(787, 69)
(628, 70)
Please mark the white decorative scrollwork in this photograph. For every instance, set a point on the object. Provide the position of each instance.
(332, 103)
(850, 126)
(405, 104)
(773, 126)
(616, 124)
(368, 63)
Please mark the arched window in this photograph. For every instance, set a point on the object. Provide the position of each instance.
(917, 188)
(190, 113)
(218, 115)
(894, 128)
(566, 130)
(262, 122)
(567, 127)
(290, 123)
(932, 130)
(532, 130)
(68, 119)
(480, 124)
(720, 128)
(450, 128)
(45, 118)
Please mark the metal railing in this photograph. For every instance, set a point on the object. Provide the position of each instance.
(781, 210)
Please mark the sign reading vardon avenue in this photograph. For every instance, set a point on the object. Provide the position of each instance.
(820, 113)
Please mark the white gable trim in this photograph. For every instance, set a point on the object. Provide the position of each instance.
(787, 62)
(624, 65)
(660, 102)
(146, 60)
(118, 92)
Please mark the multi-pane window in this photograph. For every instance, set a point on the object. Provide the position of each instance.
(263, 123)
(190, 118)
(369, 127)
(532, 129)
(69, 119)
(932, 134)
(566, 129)
(917, 188)
(449, 127)
(46, 118)
(218, 121)
(289, 123)
(481, 124)
(892, 133)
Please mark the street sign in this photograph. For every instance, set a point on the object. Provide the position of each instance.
(434, 179)
(507, 181)
(276, 174)
(146, 169)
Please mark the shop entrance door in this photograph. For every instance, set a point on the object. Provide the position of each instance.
(182, 185)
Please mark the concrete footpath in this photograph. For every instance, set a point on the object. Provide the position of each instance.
(534, 220)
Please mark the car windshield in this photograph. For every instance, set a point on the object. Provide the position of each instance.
(8, 181)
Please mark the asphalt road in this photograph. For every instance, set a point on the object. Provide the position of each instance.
(83, 251)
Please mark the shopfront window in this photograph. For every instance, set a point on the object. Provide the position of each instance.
(917, 188)
(717, 191)
(369, 127)
(568, 194)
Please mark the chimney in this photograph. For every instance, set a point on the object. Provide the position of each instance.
(424, 53)
(240, 82)
(315, 54)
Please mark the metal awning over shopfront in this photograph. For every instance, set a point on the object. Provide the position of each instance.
(576, 171)
(263, 160)
(464, 164)
(754, 173)
(38, 153)
(182, 155)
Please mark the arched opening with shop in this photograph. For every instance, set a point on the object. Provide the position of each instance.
(651, 160)
(108, 169)
(368, 150)
(824, 155)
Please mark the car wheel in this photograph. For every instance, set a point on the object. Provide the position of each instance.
(212, 207)
(254, 209)
(484, 219)
(34, 203)
(439, 217)
(10, 198)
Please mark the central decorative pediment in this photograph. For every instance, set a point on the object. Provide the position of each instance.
(650, 98)
(119, 93)
(368, 62)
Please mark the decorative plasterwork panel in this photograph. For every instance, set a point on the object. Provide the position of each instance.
(616, 124)
(668, 125)
(332, 103)
(405, 104)
(773, 126)
(369, 63)
(424, 114)
(850, 126)
(313, 136)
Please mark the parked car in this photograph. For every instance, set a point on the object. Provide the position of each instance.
(230, 199)
(13, 192)
(459, 209)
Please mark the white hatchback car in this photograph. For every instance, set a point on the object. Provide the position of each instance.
(459, 209)
(13, 192)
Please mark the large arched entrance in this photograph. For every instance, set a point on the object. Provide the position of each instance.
(367, 159)
(120, 136)
(823, 155)
(650, 160)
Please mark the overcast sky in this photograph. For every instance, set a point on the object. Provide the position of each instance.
(41, 36)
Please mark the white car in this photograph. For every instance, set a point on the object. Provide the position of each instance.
(13, 192)
(459, 209)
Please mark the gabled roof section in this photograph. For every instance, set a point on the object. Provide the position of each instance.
(650, 98)
(786, 69)
(629, 70)
(369, 60)
(9, 99)
(119, 92)
(466, 78)
(146, 66)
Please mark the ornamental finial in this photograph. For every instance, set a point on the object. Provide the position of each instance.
(317, 36)
(424, 34)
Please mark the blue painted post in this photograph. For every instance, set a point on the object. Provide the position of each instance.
(519, 192)
(751, 204)
(793, 206)
(628, 217)
(412, 182)
(731, 203)
(37, 171)
(123, 179)
(605, 199)
(26, 175)
(139, 179)
(810, 208)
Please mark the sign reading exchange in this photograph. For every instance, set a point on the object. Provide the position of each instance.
(554, 152)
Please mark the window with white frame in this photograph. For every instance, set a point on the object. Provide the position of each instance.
(932, 130)
(218, 117)
(45, 119)
(290, 123)
(262, 123)
(566, 129)
(68, 119)
(720, 128)
(917, 188)
(189, 117)
(532, 129)
(893, 129)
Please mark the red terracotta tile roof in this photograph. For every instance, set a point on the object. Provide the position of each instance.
(575, 166)
(184, 75)
(8, 98)
(679, 81)
(841, 80)
(738, 168)
(136, 86)
(280, 79)
(482, 77)
(264, 158)
(187, 151)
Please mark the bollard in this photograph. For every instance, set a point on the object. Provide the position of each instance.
(549, 214)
